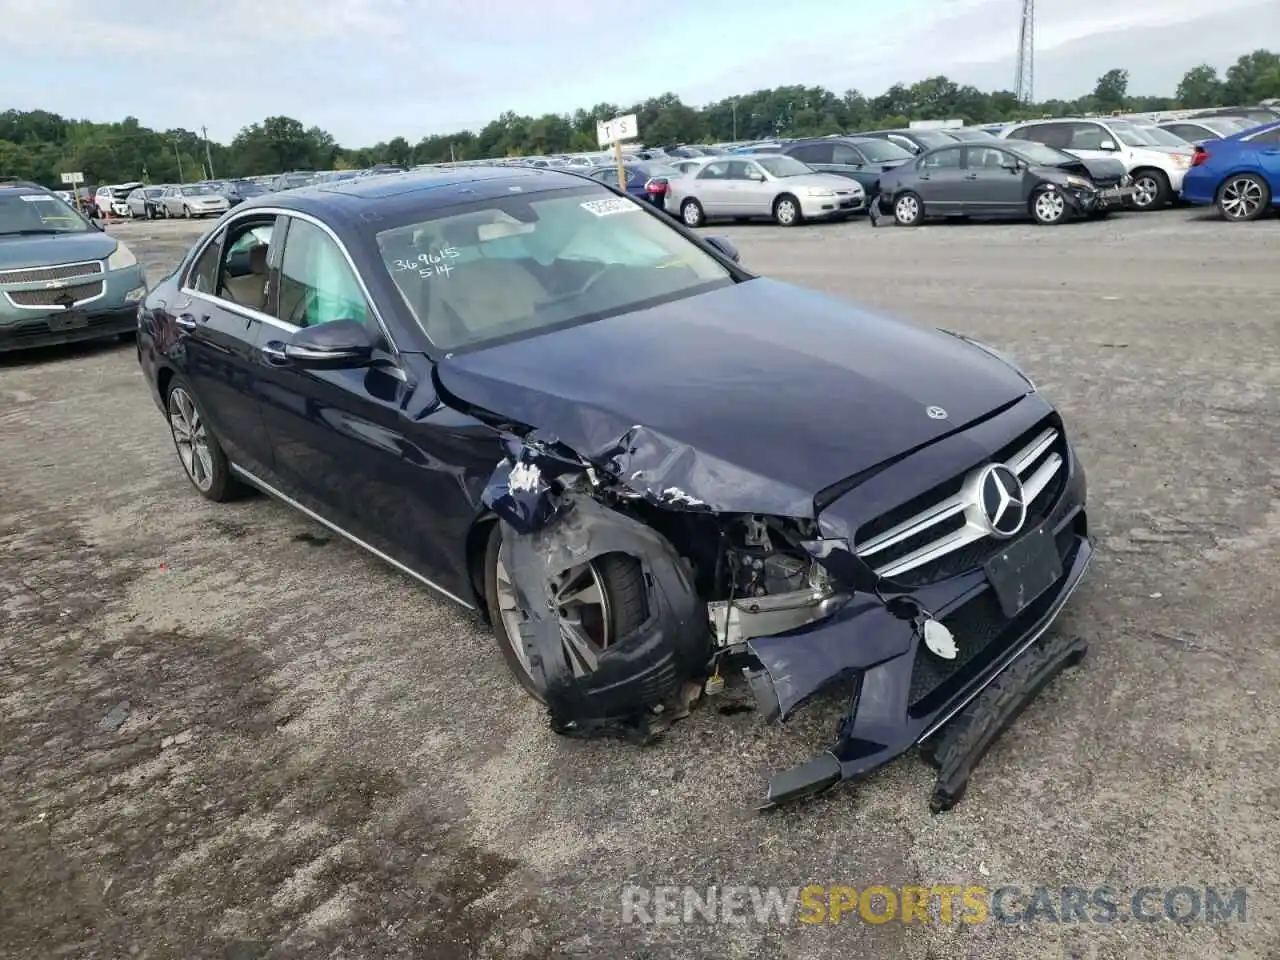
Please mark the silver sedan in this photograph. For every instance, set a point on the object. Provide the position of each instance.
(193, 200)
(781, 188)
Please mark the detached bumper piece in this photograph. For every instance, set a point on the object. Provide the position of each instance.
(963, 742)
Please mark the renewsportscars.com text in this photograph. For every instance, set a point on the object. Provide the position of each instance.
(941, 904)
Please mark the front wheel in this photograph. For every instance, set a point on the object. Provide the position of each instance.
(186, 212)
(1151, 190)
(691, 213)
(908, 210)
(198, 450)
(1048, 206)
(598, 602)
(786, 211)
(1243, 197)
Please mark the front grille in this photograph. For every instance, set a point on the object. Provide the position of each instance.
(60, 297)
(64, 271)
(982, 634)
(937, 535)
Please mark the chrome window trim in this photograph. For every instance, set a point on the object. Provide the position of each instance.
(259, 315)
(283, 498)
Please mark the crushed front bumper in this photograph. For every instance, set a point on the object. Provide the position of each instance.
(901, 694)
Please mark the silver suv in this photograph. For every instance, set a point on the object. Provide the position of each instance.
(1157, 170)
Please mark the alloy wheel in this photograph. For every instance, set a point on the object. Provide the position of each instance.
(582, 606)
(1241, 198)
(1145, 191)
(1050, 206)
(190, 438)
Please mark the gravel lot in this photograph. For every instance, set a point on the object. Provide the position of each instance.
(224, 732)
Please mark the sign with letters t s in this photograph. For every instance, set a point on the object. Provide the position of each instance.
(617, 130)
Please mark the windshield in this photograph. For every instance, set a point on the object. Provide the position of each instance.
(200, 190)
(35, 213)
(781, 166)
(658, 170)
(1225, 125)
(933, 138)
(881, 151)
(1132, 136)
(518, 265)
(1043, 156)
(1164, 137)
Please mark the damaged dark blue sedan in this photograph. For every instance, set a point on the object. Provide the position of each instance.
(647, 468)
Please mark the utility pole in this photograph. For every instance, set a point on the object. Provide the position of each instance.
(204, 132)
(178, 157)
(1024, 82)
(735, 117)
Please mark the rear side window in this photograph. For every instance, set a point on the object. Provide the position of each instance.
(1267, 136)
(948, 159)
(812, 152)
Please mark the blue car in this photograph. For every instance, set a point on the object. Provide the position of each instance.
(646, 179)
(1239, 174)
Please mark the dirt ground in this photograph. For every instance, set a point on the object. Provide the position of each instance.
(225, 733)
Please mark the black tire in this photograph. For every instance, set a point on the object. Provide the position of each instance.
(783, 203)
(908, 209)
(186, 211)
(1251, 195)
(691, 214)
(221, 485)
(1048, 207)
(624, 585)
(1151, 190)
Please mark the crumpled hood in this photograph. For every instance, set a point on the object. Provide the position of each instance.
(48, 251)
(750, 398)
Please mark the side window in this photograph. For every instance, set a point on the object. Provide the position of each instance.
(246, 250)
(1186, 131)
(945, 159)
(715, 171)
(1087, 136)
(812, 152)
(985, 158)
(1267, 136)
(741, 170)
(203, 274)
(843, 153)
(317, 284)
(903, 142)
(606, 176)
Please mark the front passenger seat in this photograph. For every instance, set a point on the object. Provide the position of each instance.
(251, 289)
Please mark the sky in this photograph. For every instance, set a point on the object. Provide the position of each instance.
(369, 70)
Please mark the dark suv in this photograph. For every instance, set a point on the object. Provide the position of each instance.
(858, 158)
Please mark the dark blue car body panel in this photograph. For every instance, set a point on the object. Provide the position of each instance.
(760, 398)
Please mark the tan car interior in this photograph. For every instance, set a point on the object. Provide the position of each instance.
(251, 289)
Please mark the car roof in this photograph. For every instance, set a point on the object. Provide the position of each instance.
(391, 194)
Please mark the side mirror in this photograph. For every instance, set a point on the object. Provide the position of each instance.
(1108, 145)
(333, 345)
(725, 247)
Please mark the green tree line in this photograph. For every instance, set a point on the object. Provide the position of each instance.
(39, 145)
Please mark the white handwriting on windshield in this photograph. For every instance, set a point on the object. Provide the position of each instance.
(433, 263)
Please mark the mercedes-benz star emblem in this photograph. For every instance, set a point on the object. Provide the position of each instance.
(936, 413)
(1003, 502)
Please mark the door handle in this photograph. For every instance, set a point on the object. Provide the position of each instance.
(924, 176)
(274, 352)
(186, 321)
(971, 176)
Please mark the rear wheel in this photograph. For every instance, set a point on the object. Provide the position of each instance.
(598, 602)
(1243, 197)
(691, 213)
(198, 450)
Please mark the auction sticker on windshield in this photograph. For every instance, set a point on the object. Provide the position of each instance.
(602, 208)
